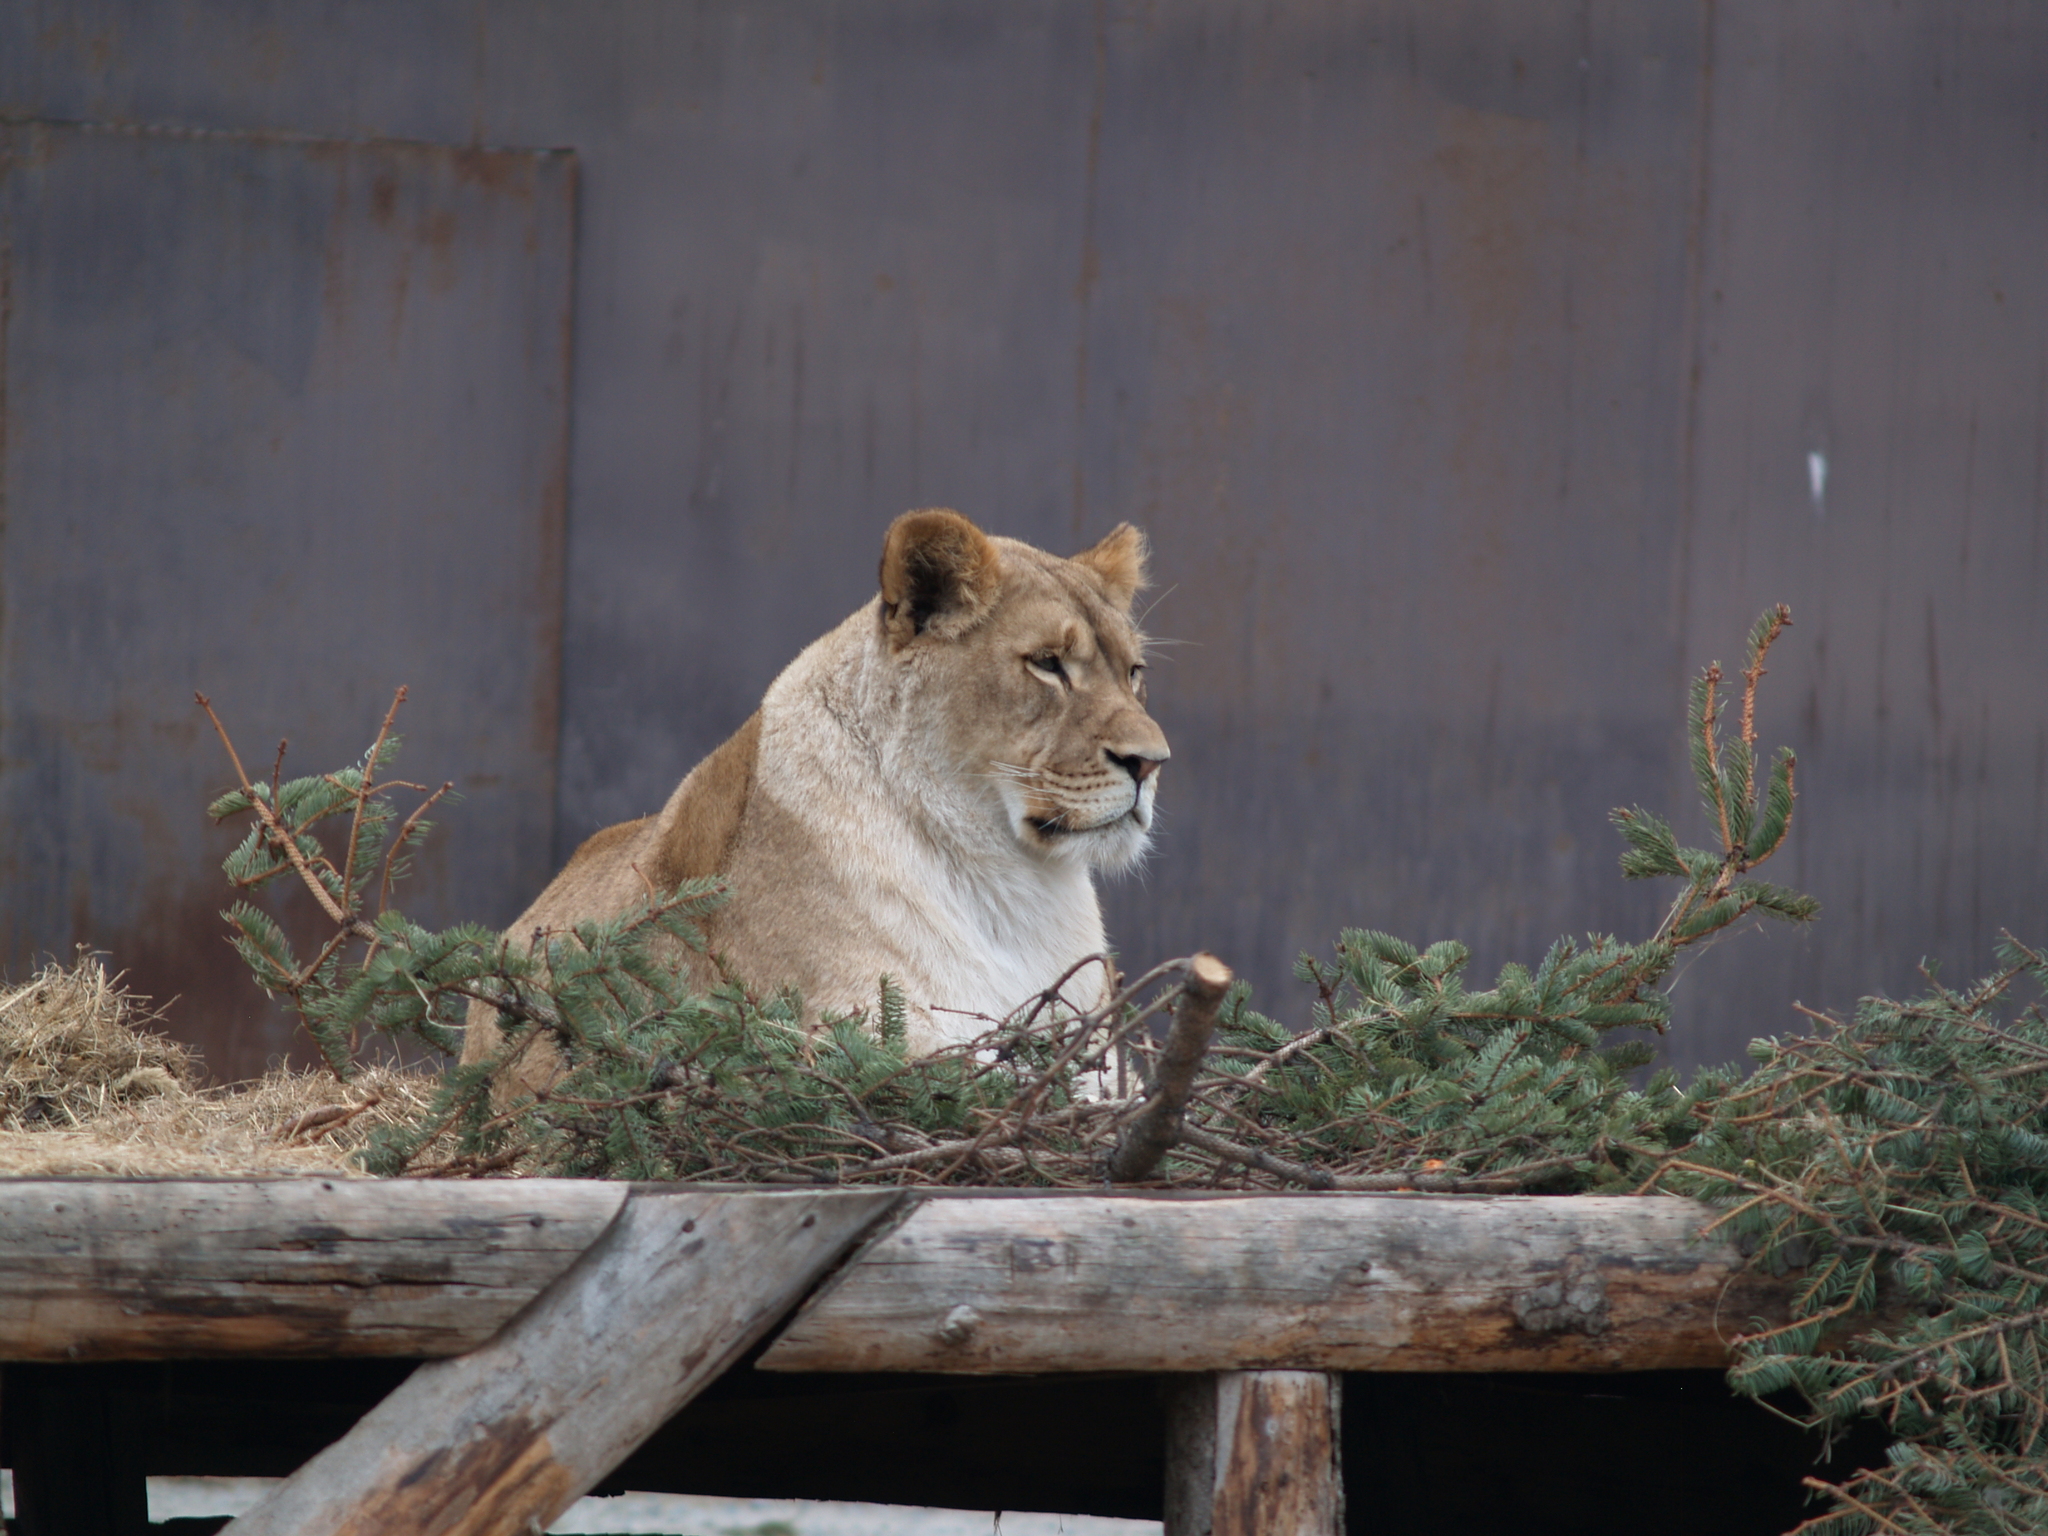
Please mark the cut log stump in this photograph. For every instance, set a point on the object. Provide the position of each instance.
(1254, 1453)
(1156, 1127)
(500, 1441)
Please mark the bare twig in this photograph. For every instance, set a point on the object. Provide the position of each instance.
(363, 787)
(1307, 1039)
(1780, 617)
(1710, 716)
(279, 838)
(315, 1123)
(398, 842)
(1424, 1181)
(1026, 1102)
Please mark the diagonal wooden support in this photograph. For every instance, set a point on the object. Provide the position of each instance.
(500, 1441)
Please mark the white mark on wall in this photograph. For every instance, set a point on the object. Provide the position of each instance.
(1817, 481)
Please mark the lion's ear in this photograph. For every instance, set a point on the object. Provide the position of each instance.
(1120, 561)
(940, 574)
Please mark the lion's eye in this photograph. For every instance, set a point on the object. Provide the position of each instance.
(1047, 662)
(1137, 677)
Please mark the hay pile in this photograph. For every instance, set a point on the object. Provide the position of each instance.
(88, 1087)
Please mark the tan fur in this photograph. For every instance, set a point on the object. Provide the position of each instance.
(1120, 561)
(924, 792)
(697, 832)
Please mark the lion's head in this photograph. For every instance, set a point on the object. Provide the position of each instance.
(1042, 670)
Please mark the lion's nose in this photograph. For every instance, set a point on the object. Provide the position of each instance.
(1139, 768)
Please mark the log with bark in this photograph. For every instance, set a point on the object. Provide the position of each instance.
(1302, 1282)
(142, 1269)
(1254, 1453)
(973, 1283)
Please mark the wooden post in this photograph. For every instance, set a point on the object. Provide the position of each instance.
(1254, 1453)
(500, 1441)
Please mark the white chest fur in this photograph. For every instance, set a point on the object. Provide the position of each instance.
(970, 923)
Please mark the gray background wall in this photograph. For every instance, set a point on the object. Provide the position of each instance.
(1468, 363)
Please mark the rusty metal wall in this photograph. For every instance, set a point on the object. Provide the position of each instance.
(1384, 352)
(266, 401)
(1870, 430)
(1466, 361)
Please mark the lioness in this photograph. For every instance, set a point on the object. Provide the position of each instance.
(923, 792)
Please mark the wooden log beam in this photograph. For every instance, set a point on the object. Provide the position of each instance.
(1313, 1282)
(972, 1282)
(501, 1441)
(136, 1269)
(1254, 1453)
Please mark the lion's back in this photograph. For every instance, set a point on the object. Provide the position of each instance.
(601, 878)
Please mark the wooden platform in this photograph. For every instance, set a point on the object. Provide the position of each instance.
(1130, 1298)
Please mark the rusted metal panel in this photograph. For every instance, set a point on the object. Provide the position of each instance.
(838, 279)
(1380, 351)
(286, 422)
(1463, 358)
(1871, 430)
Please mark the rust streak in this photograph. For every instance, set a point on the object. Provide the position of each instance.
(6, 325)
(496, 171)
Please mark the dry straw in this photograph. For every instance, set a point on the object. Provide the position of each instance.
(88, 1087)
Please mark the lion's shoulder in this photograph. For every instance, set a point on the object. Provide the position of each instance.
(697, 828)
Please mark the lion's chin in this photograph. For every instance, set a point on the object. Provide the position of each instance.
(1112, 847)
